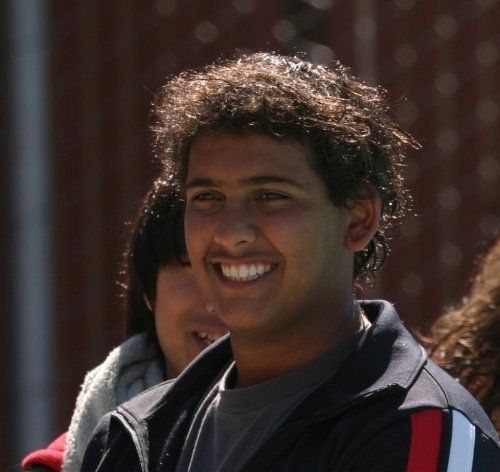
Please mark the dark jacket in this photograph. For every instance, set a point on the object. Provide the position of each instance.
(388, 408)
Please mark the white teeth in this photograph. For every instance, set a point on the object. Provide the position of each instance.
(208, 338)
(244, 272)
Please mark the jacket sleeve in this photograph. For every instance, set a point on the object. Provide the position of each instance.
(49, 459)
(110, 449)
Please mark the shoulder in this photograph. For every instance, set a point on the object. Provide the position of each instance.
(175, 395)
(434, 383)
(137, 432)
(392, 356)
(146, 403)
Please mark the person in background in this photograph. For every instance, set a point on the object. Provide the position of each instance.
(168, 324)
(465, 341)
(291, 172)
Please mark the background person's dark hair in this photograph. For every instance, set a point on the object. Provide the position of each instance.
(156, 240)
(357, 147)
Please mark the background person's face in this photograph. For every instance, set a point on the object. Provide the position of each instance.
(185, 324)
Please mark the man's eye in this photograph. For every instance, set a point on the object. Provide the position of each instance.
(272, 196)
(205, 196)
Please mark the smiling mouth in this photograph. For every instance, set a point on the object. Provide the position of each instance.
(208, 338)
(244, 272)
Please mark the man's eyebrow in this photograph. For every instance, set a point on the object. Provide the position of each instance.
(255, 180)
(274, 179)
(201, 182)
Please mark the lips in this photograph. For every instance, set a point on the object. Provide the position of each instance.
(244, 272)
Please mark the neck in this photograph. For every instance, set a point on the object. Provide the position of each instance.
(262, 357)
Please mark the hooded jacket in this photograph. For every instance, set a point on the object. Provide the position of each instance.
(388, 408)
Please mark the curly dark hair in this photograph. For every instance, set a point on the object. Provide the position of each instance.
(357, 146)
(465, 341)
(156, 239)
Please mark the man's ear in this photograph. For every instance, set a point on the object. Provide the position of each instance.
(364, 217)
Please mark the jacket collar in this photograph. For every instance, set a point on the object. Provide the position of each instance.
(387, 354)
(387, 357)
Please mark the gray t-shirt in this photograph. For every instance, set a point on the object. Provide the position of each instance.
(230, 424)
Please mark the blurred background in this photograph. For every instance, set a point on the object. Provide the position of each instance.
(78, 80)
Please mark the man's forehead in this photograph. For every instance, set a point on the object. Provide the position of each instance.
(256, 155)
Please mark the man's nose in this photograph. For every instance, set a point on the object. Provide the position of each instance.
(236, 228)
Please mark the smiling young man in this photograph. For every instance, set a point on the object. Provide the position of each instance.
(290, 172)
